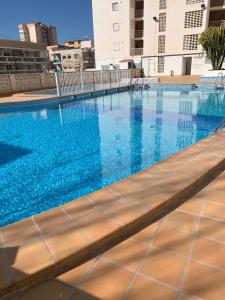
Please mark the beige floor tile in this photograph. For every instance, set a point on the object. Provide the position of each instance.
(78, 208)
(212, 229)
(193, 205)
(128, 254)
(51, 289)
(74, 277)
(173, 239)
(210, 252)
(66, 242)
(181, 220)
(52, 220)
(97, 225)
(19, 233)
(216, 194)
(215, 211)
(164, 266)
(29, 259)
(205, 282)
(107, 281)
(147, 234)
(124, 211)
(104, 197)
(143, 289)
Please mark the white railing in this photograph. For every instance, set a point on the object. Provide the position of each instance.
(216, 23)
(19, 59)
(72, 83)
(215, 3)
(139, 33)
(136, 51)
(139, 13)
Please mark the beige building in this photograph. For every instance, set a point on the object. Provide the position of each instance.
(159, 35)
(37, 32)
(23, 57)
(73, 59)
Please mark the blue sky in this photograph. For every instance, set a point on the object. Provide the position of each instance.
(73, 18)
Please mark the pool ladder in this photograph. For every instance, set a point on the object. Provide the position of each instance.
(138, 84)
(219, 83)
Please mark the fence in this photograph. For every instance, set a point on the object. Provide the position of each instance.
(71, 83)
(18, 83)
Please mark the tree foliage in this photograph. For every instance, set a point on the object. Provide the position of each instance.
(213, 42)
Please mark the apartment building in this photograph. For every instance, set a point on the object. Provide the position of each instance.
(37, 32)
(23, 57)
(161, 36)
(73, 59)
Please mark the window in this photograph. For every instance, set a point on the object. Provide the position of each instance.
(116, 46)
(69, 56)
(115, 6)
(162, 22)
(161, 43)
(190, 42)
(116, 27)
(193, 1)
(64, 57)
(193, 19)
(162, 4)
(76, 56)
(161, 64)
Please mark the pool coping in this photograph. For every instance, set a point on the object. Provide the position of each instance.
(50, 99)
(56, 241)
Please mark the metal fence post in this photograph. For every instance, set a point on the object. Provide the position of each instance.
(82, 81)
(101, 79)
(93, 80)
(110, 80)
(117, 75)
(57, 84)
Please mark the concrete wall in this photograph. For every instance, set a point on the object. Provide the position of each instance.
(18, 83)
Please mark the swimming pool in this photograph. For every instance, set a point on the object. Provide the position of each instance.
(54, 153)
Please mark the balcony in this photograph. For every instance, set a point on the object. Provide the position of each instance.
(23, 60)
(139, 13)
(216, 23)
(136, 51)
(217, 3)
(139, 34)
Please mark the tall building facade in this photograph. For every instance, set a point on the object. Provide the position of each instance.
(160, 36)
(37, 32)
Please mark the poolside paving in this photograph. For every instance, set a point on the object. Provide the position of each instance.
(184, 239)
(182, 257)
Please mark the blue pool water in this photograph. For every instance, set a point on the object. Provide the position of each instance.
(52, 154)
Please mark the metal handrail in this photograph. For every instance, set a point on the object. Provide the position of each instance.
(219, 83)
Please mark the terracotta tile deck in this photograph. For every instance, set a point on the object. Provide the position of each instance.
(160, 260)
(182, 257)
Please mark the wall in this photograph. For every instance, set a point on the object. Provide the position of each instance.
(18, 83)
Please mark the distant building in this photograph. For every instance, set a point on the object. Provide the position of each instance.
(23, 57)
(80, 44)
(37, 32)
(74, 59)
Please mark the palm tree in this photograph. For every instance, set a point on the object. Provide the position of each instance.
(213, 42)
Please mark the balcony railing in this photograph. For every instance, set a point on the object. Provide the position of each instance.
(19, 59)
(136, 51)
(215, 3)
(139, 13)
(139, 33)
(216, 23)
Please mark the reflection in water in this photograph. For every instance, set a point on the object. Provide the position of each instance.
(79, 147)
